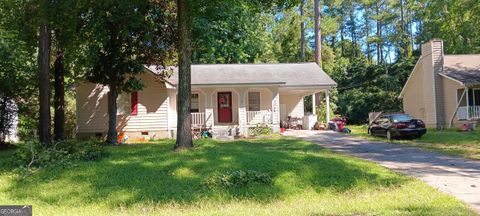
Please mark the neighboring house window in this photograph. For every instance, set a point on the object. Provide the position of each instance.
(134, 103)
(253, 101)
(194, 103)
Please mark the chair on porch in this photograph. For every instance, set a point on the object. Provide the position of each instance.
(294, 123)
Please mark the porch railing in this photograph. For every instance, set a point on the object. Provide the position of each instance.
(468, 113)
(198, 119)
(259, 117)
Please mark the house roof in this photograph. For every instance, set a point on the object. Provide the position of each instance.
(284, 74)
(463, 68)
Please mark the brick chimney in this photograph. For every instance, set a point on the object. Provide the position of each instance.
(432, 61)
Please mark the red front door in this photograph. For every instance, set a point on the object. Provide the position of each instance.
(224, 107)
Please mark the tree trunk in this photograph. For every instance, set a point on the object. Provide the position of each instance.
(318, 34)
(44, 84)
(333, 43)
(4, 125)
(342, 39)
(112, 114)
(353, 30)
(404, 34)
(379, 35)
(410, 31)
(302, 32)
(59, 98)
(184, 133)
(367, 32)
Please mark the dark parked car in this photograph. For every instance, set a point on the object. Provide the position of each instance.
(397, 126)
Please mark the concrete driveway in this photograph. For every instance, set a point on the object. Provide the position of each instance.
(456, 176)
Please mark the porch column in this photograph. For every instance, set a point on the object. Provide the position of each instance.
(209, 119)
(327, 104)
(459, 101)
(242, 111)
(275, 110)
(468, 106)
(314, 111)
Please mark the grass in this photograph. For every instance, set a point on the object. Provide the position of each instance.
(449, 141)
(152, 179)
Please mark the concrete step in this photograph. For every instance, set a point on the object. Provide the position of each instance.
(224, 138)
(224, 133)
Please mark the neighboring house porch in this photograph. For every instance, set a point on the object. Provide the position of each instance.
(468, 104)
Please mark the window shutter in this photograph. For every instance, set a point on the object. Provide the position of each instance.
(134, 103)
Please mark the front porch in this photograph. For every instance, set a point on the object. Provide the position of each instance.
(468, 113)
(200, 119)
(468, 104)
(246, 107)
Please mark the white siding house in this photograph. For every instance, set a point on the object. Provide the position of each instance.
(223, 96)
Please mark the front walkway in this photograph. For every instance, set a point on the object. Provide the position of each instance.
(456, 176)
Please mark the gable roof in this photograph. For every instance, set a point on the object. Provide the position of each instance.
(463, 68)
(284, 74)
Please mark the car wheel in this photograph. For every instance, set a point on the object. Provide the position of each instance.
(389, 136)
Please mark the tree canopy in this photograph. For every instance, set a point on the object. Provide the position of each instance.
(369, 47)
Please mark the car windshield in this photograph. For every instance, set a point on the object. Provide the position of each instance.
(400, 118)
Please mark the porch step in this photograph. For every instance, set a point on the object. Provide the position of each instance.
(224, 133)
(225, 138)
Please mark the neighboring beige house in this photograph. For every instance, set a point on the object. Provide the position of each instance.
(443, 90)
(224, 96)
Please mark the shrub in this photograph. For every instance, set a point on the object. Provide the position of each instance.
(260, 130)
(239, 178)
(60, 154)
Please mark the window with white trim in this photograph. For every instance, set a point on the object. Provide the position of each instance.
(123, 104)
(194, 103)
(253, 101)
(127, 103)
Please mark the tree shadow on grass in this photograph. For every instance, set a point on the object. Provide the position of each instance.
(153, 173)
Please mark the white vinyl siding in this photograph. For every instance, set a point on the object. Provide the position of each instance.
(413, 97)
(92, 113)
(91, 102)
(294, 105)
(152, 108)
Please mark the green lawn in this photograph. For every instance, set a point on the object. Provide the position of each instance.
(450, 141)
(151, 179)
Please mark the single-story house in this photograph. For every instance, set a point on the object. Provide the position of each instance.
(224, 96)
(12, 132)
(443, 90)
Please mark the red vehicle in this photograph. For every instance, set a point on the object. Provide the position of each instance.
(338, 124)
